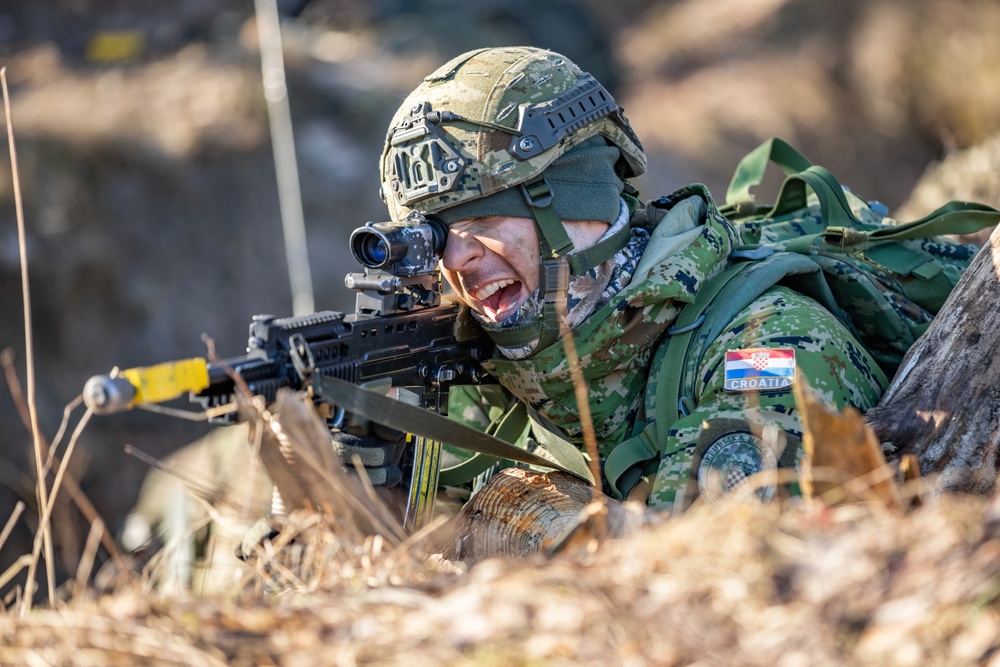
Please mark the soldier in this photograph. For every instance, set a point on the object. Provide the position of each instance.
(527, 159)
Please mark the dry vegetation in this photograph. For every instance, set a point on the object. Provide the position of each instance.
(737, 584)
(787, 584)
(833, 580)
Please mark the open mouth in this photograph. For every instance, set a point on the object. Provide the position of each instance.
(499, 299)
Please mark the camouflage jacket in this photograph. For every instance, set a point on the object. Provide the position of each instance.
(730, 433)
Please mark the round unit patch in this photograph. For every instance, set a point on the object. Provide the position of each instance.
(730, 460)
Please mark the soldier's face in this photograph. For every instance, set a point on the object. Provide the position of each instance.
(492, 263)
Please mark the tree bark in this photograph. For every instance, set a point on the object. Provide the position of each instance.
(943, 406)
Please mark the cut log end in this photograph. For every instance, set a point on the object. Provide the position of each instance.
(522, 513)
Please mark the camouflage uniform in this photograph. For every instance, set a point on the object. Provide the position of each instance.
(730, 434)
(493, 124)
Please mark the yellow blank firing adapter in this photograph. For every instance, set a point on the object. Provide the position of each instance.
(152, 384)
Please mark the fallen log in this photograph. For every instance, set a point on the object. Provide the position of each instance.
(523, 513)
(943, 406)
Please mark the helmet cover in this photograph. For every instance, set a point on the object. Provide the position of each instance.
(492, 119)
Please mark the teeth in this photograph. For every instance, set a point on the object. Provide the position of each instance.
(486, 291)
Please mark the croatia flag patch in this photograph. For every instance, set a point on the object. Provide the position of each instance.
(760, 369)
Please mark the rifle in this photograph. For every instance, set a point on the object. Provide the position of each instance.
(401, 334)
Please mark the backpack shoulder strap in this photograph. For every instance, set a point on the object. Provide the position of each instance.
(716, 305)
(750, 171)
(628, 461)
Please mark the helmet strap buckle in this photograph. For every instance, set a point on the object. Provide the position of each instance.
(553, 241)
(537, 193)
(554, 288)
(554, 279)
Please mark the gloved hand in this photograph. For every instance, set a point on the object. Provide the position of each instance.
(265, 528)
(379, 453)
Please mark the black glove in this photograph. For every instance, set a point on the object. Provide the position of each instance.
(265, 528)
(379, 453)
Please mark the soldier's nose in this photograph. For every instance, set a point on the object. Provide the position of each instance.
(461, 249)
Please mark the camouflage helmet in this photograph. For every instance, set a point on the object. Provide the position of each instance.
(491, 119)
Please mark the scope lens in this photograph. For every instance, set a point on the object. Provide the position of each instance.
(371, 248)
(374, 249)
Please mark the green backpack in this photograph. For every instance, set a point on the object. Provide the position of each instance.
(889, 278)
(884, 280)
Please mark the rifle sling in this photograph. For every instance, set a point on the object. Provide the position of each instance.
(418, 421)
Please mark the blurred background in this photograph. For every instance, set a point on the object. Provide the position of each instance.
(149, 184)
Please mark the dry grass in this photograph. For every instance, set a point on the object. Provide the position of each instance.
(791, 583)
(733, 584)
(786, 584)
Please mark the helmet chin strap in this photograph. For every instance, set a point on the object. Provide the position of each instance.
(556, 267)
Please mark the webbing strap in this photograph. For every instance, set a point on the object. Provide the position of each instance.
(801, 244)
(672, 367)
(833, 206)
(552, 236)
(510, 427)
(557, 266)
(516, 336)
(802, 174)
(554, 289)
(955, 217)
(553, 286)
(739, 290)
(549, 326)
(561, 449)
(718, 301)
(586, 259)
(467, 470)
(546, 327)
(928, 286)
(376, 407)
(930, 293)
(750, 171)
(625, 463)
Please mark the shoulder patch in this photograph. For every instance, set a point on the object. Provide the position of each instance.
(730, 460)
(759, 369)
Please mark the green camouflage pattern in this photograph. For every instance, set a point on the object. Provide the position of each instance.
(491, 85)
(833, 362)
(621, 357)
(617, 342)
(886, 289)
